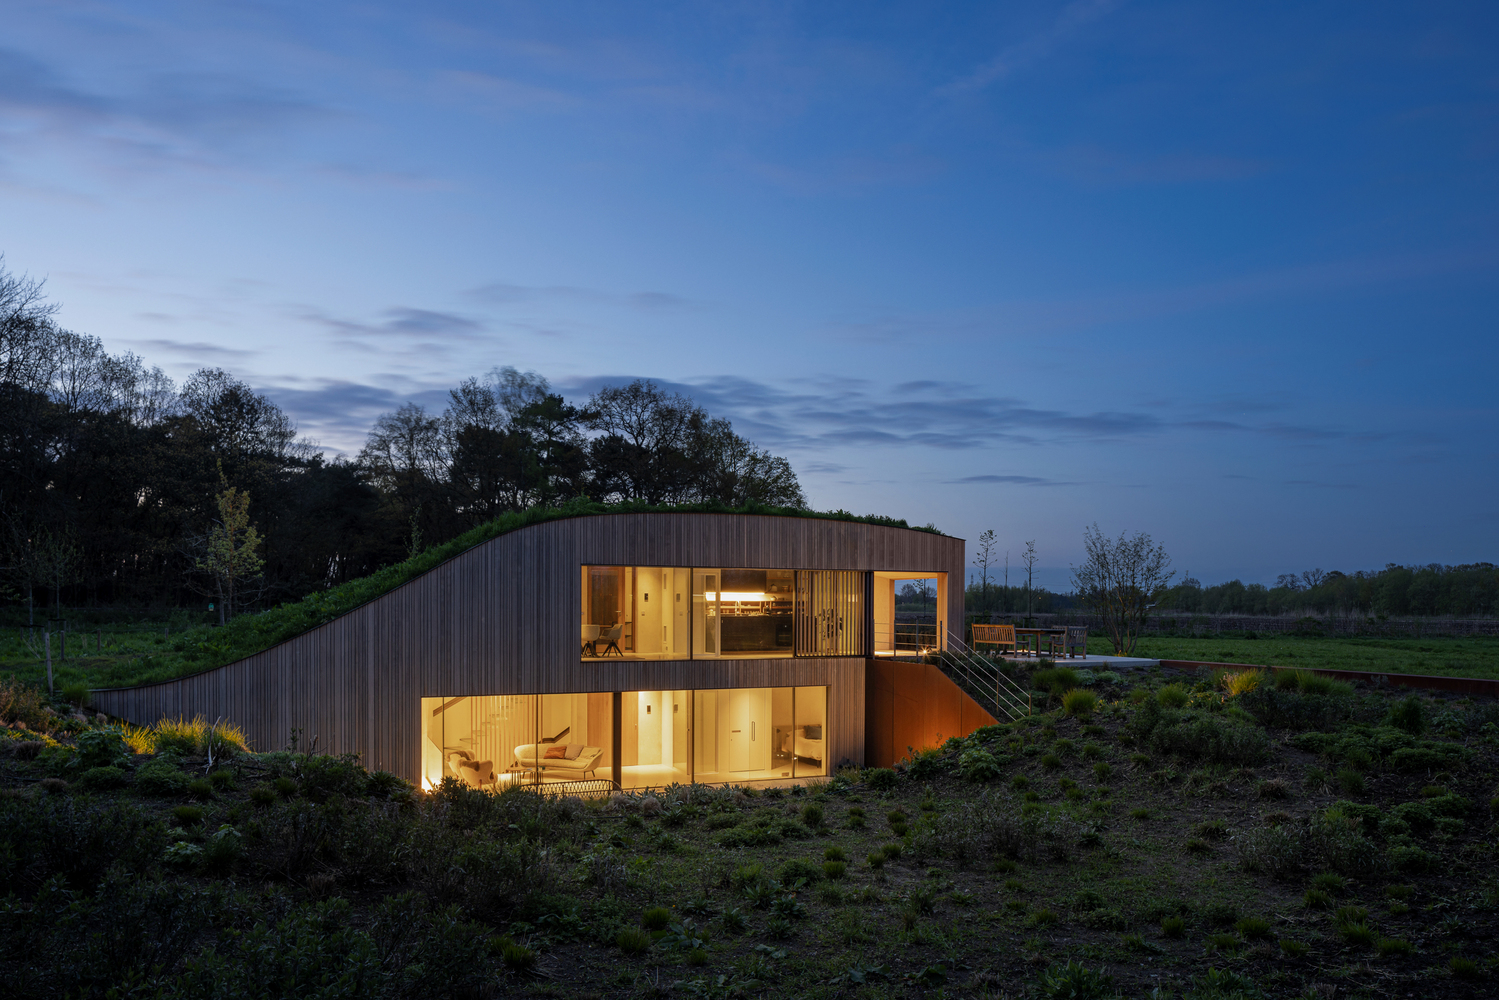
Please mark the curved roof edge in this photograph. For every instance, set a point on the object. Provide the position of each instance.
(250, 635)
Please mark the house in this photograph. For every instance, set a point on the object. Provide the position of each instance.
(636, 648)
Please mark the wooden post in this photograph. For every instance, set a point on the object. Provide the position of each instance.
(616, 738)
(47, 641)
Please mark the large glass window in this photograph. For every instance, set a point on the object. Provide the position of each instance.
(656, 738)
(635, 612)
(496, 740)
(742, 613)
(665, 737)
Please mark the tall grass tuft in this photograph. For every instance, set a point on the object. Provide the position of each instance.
(1172, 696)
(195, 738)
(1079, 702)
(1242, 682)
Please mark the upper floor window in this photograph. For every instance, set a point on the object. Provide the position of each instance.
(677, 613)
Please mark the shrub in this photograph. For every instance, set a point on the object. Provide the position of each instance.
(1051, 761)
(76, 693)
(632, 940)
(988, 827)
(1329, 882)
(1172, 696)
(834, 870)
(1317, 899)
(1242, 682)
(1394, 946)
(222, 849)
(1408, 715)
(1079, 702)
(1253, 928)
(1140, 813)
(285, 787)
(200, 788)
(1102, 771)
(1173, 927)
(796, 869)
(517, 957)
(195, 738)
(1224, 942)
(1272, 788)
(188, 815)
(1293, 948)
(222, 779)
(876, 860)
(1209, 740)
(1464, 968)
(881, 779)
(1350, 781)
(161, 777)
(1358, 933)
(978, 765)
(101, 748)
(812, 815)
(655, 918)
(1075, 981)
(1405, 855)
(1056, 680)
(103, 778)
(834, 853)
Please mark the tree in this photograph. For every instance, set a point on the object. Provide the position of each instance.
(982, 560)
(1030, 570)
(231, 559)
(1120, 581)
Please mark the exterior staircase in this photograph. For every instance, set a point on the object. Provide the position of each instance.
(982, 680)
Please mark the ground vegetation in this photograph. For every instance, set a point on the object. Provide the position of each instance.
(1175, 840)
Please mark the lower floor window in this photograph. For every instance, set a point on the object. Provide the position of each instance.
(707, 736)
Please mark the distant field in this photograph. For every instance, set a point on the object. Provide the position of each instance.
(1444, 656)
(122, 663)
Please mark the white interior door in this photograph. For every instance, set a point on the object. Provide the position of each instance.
(739, 730)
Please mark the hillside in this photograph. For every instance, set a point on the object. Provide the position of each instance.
(1303, 840)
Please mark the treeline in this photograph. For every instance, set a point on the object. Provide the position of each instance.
(111, 474)
(996, 598)
(1395, 591)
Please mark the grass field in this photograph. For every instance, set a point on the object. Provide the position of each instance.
(1441, 655)
(128, 657)
(1171, 843)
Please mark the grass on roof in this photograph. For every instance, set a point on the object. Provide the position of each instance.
(205, 648)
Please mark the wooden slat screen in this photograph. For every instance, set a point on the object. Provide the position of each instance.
(829, 614)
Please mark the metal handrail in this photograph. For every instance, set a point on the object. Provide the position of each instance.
(981, 673)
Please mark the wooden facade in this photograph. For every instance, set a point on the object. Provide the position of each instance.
(503, 618)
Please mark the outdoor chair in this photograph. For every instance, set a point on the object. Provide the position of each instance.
(998, 636)
(1077, 638)
(612, 638)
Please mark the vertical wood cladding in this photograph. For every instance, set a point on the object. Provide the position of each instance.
(502, 618)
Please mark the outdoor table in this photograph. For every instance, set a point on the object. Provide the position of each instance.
(1033, 637)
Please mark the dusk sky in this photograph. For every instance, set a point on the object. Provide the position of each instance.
(1222, 273)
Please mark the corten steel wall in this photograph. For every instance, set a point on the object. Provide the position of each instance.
(502, 618)
(912, 706)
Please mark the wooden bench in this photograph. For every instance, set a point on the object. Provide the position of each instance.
(998, 636)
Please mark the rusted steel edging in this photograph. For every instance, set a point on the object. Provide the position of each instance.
(1460, 685)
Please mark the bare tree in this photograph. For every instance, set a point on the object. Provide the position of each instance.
(984, 558)
(1030, 571)
(1120, 581)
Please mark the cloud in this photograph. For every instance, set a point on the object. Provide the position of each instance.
(507, 293)
(428, 328)
(1016, 480)
(1033, 49)
(196, 349)
(179, 117)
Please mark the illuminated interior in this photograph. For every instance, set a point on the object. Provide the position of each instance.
(707, 736)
